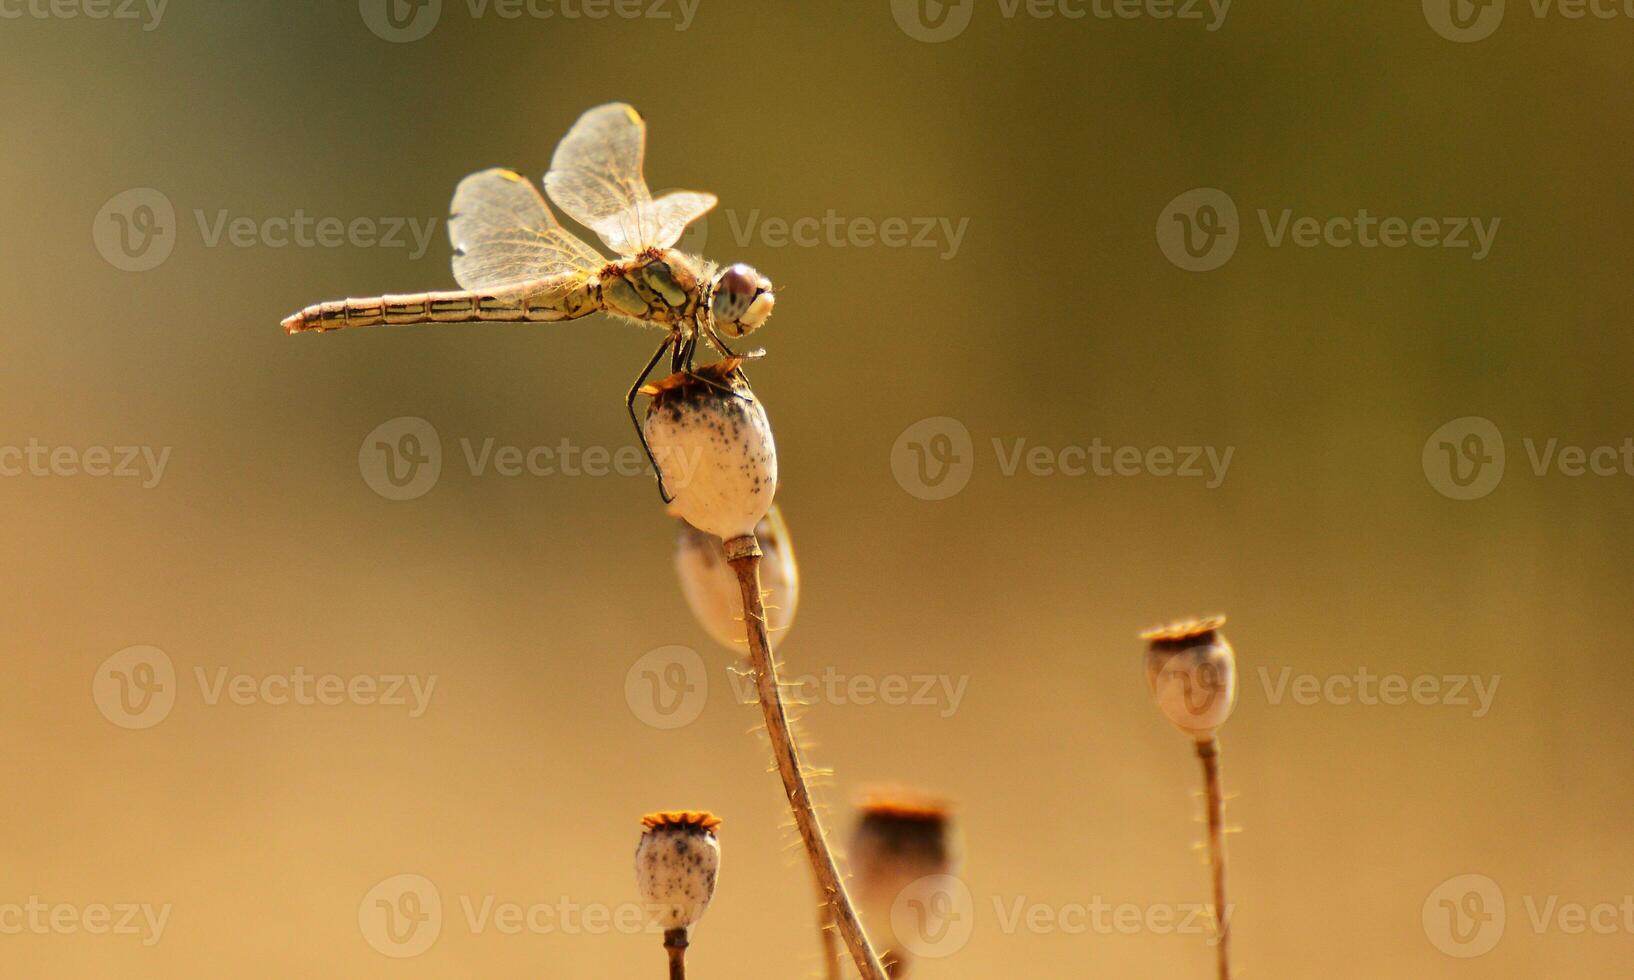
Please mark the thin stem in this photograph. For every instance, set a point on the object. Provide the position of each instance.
(675, 942)
(744, 556)
(830, 938)
(1209, 752)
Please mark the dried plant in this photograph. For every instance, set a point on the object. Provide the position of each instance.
(1192, 673)
(711, 590)
(711, 418)
(901, 838)
(676, 865)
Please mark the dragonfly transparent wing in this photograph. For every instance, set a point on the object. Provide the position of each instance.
(504, 234)
(596, 179)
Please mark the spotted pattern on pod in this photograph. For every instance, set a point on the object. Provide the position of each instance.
(675, 866)
(715, 450)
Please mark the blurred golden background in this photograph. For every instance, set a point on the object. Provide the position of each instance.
(1336, 538)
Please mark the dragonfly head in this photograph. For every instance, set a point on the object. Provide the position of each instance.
(740, 300)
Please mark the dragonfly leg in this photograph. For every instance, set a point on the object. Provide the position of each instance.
(749, 355)
(641, 433)
(684, 351)
(715, 338)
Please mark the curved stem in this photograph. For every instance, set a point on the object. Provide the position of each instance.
(1208, 752)
(744, 556)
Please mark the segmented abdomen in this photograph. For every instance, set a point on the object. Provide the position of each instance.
(543, 302)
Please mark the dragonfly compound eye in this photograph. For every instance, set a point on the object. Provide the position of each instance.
(742, 301)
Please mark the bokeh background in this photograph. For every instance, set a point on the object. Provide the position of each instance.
(1057, 320)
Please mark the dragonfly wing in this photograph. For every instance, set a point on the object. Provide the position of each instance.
(653, 224)
(673, 212)
(504, 234)
(596, 179)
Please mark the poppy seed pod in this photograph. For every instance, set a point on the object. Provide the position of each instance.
(676, 864)
(711, 587)
(901, 839)
(713, 444)
(1192, 673)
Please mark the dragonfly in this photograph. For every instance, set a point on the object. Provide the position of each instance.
(515, 263)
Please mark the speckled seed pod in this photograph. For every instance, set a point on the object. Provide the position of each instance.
(675, 866)
(1192, 673)
(900, 838)
(711, 587)
(714, 448)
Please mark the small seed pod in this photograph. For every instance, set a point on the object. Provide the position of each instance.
(711, 587)
(713, 443)
(901, 838)
(1192, 673)
(675, 866)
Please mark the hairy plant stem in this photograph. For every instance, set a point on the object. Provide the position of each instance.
(743, 554)
(675, 942)
(1208, 751)
(830, 938)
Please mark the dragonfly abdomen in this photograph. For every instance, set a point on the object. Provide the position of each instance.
(548, 303)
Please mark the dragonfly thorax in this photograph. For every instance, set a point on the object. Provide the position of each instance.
(660, 286)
